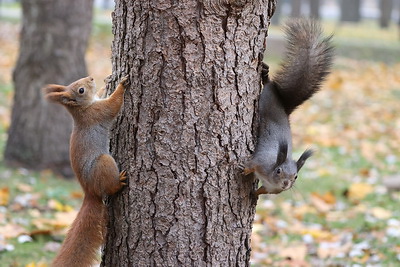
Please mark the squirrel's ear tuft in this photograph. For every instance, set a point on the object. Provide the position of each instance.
(58, 93)
(306, 154)
(51, 88)
(55, 97)
(282, 152)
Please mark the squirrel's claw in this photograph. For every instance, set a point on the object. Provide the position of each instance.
(122, 176)
(247, 171)
(261, 190)
(125, 80)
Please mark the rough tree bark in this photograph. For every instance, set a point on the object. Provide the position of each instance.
(53, 42)
(187, 122)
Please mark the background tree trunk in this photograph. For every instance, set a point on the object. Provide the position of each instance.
(296, 8)
(53, 42)
(386, 7)
(277, 13)
(187, 122)
(314, 9)
(350, 11)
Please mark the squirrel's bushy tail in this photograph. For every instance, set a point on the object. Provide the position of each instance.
(85, 236)
(307, 62)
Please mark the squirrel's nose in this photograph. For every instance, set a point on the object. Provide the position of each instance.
(90, 78)
(285, 183)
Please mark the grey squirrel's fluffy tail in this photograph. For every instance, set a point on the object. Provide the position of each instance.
(307, 62)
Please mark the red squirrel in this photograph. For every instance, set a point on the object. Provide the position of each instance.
(92, 163)
(308, 61)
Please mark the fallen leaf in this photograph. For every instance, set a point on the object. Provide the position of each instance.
(76, 194)
(297, 253)
(318, 234)
(381, 213)
(61, 221)
(43, 232)
(11, 230)
(65, 218)
(24, 188)
(33, 264)
(4, 196)
(319, 203)
(359, 191)
(58, 206)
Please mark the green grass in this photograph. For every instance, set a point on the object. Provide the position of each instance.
(49, 187)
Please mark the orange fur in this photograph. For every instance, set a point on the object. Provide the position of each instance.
(95, 169)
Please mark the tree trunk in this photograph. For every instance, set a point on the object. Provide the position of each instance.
(187, 122)
(386, 7)
(314, 9)
(296, 8)
(53, 42)
(277, 13)
(350, 11)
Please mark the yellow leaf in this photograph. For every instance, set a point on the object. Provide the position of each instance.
(320, 204)
(381, 213)
(329, 198)
(318, 234)
(58, 206)
(55, 205)
(25, 188)
(33, 264)
(323, 202)
(359, 191)
(4, 196)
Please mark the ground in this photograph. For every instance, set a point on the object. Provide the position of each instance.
(339, 213)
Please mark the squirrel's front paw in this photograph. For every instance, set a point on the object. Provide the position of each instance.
(125, 80)
(122, 178)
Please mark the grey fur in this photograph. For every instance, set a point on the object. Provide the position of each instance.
(308, 61)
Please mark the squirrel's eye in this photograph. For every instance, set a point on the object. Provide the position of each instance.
(81, 90)
(278, 171)
(295, 177)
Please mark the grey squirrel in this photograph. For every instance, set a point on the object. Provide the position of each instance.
(308, 61)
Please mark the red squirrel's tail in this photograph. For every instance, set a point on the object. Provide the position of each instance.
(85, 236)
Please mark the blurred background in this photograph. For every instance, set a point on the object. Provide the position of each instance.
(343, 210)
